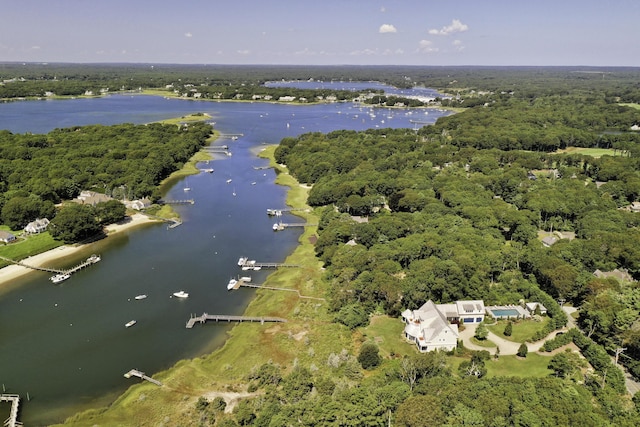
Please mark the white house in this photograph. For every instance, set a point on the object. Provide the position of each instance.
(531, 306)
(429, 329)
(38, 226)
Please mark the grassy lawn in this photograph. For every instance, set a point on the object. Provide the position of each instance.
(387, 333)
(483, 343)
(522, 329)
(30, 246)
(533, 365)
(593, 152)
(630, 104)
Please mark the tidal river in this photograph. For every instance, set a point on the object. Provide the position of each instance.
(66, 346)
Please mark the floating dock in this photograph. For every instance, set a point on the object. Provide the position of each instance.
(140, 374)
(12, 421)
(223, 317)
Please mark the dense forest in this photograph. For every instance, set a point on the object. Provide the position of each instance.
(457, 210)
(123, 161)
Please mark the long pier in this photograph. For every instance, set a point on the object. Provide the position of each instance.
(12, 421)
(279, 226)
(177, 202)
(252, 285)
(253, 265)
(222, 317)
(90, 261)
(272, 212)
(140, 374)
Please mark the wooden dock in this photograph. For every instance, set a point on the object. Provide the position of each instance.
(223, 317)
(89, 261)
(254, 285)
(272, 212)
(177, 202)
(140, 374)
(252, 265)
(12, 421)
(93, 259)
(279, 226)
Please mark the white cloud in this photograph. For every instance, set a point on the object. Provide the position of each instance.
(456, 27)
(188, 35)
(426, 46)
(367, 52)
(35, 47)
(457, 44)
(243, 52)
(387, 28)
(383, 9)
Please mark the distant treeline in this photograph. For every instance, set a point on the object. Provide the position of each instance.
(615, 84)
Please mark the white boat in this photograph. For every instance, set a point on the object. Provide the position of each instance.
(242, 260)
(139, 297)
(130, 323)
(94, 258)
(60, 278)
(229, 180)
(246, 279)
(232, 283)
(257, 268)
(181, 294)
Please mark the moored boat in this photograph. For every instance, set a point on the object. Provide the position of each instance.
(232, 283)
(59, 278)
(181, 294)
(242, 260)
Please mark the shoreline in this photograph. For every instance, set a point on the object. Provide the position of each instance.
(12, 272)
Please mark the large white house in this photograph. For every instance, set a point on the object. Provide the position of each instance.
(38, 226)
(435, 326)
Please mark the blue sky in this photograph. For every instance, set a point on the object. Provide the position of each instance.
(320, 32)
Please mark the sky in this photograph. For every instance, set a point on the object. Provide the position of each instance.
(323, 32)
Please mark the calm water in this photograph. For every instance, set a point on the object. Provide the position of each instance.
(67, 345)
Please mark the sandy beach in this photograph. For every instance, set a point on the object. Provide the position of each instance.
(14, 271)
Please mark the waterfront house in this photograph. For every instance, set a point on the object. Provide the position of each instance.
(6, 237)
(38, 226)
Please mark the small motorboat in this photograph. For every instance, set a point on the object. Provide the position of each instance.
(181, 294)
(245, 279)
(232, 283)
(94, 258)
(242, 260)
(130, 323)
(59, 278)
(139, 297)
(229, 180)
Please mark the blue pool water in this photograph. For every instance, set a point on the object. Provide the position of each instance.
(504, 312)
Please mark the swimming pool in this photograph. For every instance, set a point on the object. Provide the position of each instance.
(504, 312)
